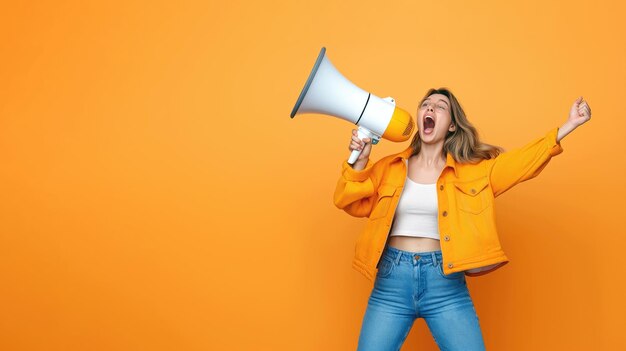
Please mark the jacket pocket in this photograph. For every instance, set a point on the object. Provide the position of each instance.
(473, 196)
(385, 196)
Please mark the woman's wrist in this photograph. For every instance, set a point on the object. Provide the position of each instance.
(565, 129)
(359, 165)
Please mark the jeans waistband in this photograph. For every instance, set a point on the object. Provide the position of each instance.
(398, 255)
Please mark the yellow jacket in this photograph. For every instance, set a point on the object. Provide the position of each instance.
(465, 195)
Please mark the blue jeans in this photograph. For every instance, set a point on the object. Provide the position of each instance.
(412, 285)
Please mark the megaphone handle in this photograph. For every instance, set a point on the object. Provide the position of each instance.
(353, 156)
(361, 134)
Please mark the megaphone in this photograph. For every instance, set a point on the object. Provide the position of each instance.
(328, 92)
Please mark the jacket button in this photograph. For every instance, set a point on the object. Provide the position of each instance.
(441, 187)
(450, 265)
(473, 191)
(446, 238)
(445, 213)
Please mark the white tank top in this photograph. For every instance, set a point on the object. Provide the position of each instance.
(416, 214)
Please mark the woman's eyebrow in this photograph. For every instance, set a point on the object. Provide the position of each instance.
(439, 100)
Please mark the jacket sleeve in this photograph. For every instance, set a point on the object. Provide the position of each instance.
(356, 190)
(515, 166)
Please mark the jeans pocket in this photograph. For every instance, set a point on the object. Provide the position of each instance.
(451, 276)
(385, 267)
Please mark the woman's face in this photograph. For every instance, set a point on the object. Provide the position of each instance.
(434, 118)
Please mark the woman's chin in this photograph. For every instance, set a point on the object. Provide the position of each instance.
(429, 138)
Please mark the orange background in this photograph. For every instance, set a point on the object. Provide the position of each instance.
(155, 194)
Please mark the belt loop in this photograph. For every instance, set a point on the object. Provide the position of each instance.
(434, 258)
(398, 256)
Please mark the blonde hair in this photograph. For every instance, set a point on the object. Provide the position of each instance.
(463, 143)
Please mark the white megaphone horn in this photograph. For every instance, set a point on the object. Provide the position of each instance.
(328, 92)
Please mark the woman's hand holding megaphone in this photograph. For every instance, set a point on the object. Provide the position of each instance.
(364, 145)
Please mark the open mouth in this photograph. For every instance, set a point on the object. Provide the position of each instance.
(429, 124)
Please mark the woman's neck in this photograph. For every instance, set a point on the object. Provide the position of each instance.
(431, 156)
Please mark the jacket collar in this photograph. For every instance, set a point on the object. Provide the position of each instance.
(450, 162)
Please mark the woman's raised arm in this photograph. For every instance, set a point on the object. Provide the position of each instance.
(513, 167)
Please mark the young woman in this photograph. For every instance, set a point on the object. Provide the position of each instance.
(431, 221)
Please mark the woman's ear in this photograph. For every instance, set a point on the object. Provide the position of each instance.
(452, 128)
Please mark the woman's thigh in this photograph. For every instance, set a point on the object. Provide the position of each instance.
(382, 330)
(390, 311)
(456, 330)
(450, 314)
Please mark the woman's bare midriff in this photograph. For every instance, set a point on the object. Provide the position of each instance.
(413, 244)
